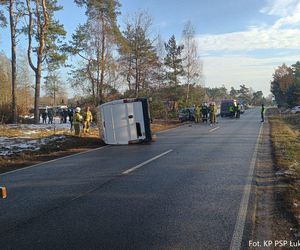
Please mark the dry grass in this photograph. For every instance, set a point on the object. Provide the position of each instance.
(285, 136)
(285, 132)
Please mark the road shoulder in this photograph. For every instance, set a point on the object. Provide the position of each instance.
(270, 220)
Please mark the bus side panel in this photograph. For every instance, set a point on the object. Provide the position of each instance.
(108, 131)
(131, 120)
(120, 123)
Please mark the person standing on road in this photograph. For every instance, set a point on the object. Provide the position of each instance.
(88, 118)
(231, 110)
(71, 114)
(262, 112)
(50, 116)
(44, 116)
(238, 110)
(197, 113)
(213, 113)
(204, 111)
(65, 115)
(77, 119)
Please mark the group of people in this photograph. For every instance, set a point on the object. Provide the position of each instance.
(47, 114)
(206, 111)
(63, 114)
(235, 110)
(76, 119)
(84, 119)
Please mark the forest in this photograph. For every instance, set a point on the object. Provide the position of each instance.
(107, 63)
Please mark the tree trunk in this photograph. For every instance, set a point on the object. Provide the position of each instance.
(187, 94)
(136, 79)
(38, 74)
(13, 61)
(41, 27)
(102, 61)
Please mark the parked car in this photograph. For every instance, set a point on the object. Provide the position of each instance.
(295, 110)
(186, 114)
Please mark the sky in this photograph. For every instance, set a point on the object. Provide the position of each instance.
(239, 41)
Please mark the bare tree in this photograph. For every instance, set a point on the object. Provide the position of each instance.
(24, 85)
(192, 63)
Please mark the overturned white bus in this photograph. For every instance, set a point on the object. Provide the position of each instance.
(125, 121)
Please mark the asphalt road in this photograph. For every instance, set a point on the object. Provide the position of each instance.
(187, 190)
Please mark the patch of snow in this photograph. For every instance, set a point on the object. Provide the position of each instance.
(13, 145)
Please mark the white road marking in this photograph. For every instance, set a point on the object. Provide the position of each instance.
(146, 162)
(237, 237)
(214, 129)
(43, 163)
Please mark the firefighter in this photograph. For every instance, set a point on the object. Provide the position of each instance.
(213, 113)
(262, 112)
(231, 110)
(204, 111)
(77, 119)
(88, 118)
(197, 114)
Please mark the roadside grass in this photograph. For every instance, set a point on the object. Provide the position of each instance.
(285, 137)
(285, 134)
(69, 145)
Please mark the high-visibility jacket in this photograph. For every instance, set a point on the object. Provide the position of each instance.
(213, 109)
(239, 107)
(231, 108)
(197, 111)
(88, 116)
(77, 118)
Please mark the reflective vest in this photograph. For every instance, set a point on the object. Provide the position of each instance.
(88, 116)
(77, 118)
(213, 109)
(197, 111)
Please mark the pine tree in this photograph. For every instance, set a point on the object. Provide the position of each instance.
(138, 57)
(3, 21)
(94, 42)
(174, 62)
(15, 10)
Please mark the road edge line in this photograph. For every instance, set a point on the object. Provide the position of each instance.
(211, 130)
(56, 159)
(128, 171)
(237, 237)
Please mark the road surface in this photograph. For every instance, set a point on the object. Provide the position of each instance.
(188, 190)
